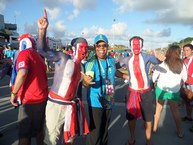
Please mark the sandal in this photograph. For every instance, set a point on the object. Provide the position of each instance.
(181, 134)
(132, 143)
(129, 143)
(186, 119)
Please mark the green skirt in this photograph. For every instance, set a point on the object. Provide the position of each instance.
(164, 95)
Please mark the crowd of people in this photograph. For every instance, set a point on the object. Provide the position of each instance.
(57, 116)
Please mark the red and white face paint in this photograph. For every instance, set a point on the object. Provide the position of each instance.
(80, 51)
(136, 45)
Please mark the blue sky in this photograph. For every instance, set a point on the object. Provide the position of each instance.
(158, 22)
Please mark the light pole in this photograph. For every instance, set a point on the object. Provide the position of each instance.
(15, 18)
(113, 34)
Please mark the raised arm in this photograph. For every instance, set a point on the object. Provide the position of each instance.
(157, 57)
(42, 47)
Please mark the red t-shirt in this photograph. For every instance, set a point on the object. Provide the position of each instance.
(35, 88)
(190, 70)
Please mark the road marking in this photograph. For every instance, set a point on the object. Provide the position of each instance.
(6, 86)
(114, 121)
(50, 78)
(126, 121)
(8, 125)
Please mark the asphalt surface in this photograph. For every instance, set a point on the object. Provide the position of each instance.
(118, 129)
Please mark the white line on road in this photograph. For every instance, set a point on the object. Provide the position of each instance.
(126, 121)
(6, 86)
(114, 121)
(50, 78)
(8, 125)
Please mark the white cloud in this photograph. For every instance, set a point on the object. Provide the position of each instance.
(74, 14)
(81, 5)
(155, 39)
(166, 12)
(118, 31)
(124, 5)
(2, 5)
(84, 4)
(54, 3)
(53, 12)
(119, 28)
(58, 29)
(142, 5)
(181, 13)
(31, 28)
(54, 7)
(163, 33)
(17, 13)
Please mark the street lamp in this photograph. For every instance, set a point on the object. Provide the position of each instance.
(113, 33)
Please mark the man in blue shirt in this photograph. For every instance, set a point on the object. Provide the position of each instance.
(9, 53)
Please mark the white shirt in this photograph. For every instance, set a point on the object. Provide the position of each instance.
(167, 80)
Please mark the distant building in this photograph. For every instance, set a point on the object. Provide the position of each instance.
(7, 30)
(8, 34)
(53, 43)
(14, 41)
(2, 25)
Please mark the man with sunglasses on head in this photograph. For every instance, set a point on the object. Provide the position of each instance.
(100, 69)
(139, 98)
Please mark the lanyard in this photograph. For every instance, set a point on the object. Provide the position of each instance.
(99, 66)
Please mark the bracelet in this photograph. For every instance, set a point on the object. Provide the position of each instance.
(13, 94)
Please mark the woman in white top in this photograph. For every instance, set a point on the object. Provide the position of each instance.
(169, 75)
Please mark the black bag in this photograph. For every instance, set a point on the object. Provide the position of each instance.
(103, 102)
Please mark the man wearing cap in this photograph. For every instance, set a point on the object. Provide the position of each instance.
(139, 98)
(9, 53)
(61, 119)
(101, 69)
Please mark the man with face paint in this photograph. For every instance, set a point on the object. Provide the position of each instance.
(61, 103)
(139, 98)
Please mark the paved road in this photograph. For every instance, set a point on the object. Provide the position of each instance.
(118, 129)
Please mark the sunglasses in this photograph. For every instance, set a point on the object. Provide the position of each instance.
(101, 45)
